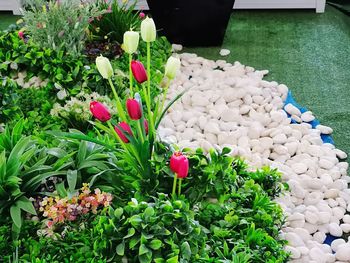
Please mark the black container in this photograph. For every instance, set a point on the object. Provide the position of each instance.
(192, 22)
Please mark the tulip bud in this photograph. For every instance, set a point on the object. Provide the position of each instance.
(172, 66)
(182, 171)
(142, 15)
(175, 161)
(124, 127)
(134, 109)
(104, 67)
(99, 111)
(148, 30)
(131, 41)
(139, 72)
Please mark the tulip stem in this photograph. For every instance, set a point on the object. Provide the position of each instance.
(179, 190)
(164, 95)
(119, 104)
(149, 69)
(139, 128)
(148, 93)
(130, 75)
(174, 184)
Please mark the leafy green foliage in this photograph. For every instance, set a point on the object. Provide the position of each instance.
(163, 230)
(25, 165)
(74, 244)
(116, 19)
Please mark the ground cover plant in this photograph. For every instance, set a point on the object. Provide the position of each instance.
(109, 190)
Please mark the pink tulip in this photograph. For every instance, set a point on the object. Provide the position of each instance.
(21, 34)
(100, 111)
(134, 109)
(142, 15)
(183, 167)
(124, 127)
(139, 72)
(175, 161)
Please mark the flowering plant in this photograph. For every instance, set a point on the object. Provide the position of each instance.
(76, 110)
(58, 210)
(135, 128)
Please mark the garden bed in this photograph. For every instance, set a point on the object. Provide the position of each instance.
(97, 166)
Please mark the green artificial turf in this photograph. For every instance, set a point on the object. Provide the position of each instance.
(308, 52)
(6, 19)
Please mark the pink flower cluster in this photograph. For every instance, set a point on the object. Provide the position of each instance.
(58, 210)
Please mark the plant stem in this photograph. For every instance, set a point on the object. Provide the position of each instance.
(148, 92)
(139, 129)
(179, 190)
(130, 76)
(119, 104)
(174, 184)
(149, 69)
(164, 95)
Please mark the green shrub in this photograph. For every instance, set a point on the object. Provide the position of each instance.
(59, 25)
(161, 230)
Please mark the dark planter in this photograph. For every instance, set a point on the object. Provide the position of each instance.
(192, 22)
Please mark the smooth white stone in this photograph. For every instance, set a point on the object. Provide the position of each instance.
(343, 252)
(325, 164)
(230, 115)
(304, 234)
(307, 116)
(311, 218)
(340, 154)
(279, 139)
(345, 228)
(224, 52)
(294, 240)
(319, 237)
(335, 230)
(292, 110)
(212, 127)
(299, 168)
(324, 129)
(317, 254)
(336, 243)
(295, 253)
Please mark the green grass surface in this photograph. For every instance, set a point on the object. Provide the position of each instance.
(308, 52)
(6, 18)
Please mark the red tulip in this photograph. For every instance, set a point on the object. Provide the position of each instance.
(182, 171)
(134, 109)
(139, 72)
(99, 111)
(124, 128)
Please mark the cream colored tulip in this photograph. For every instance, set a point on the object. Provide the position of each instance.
(172, 67)
(104, 67)
(131, 41)
(148, 30)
